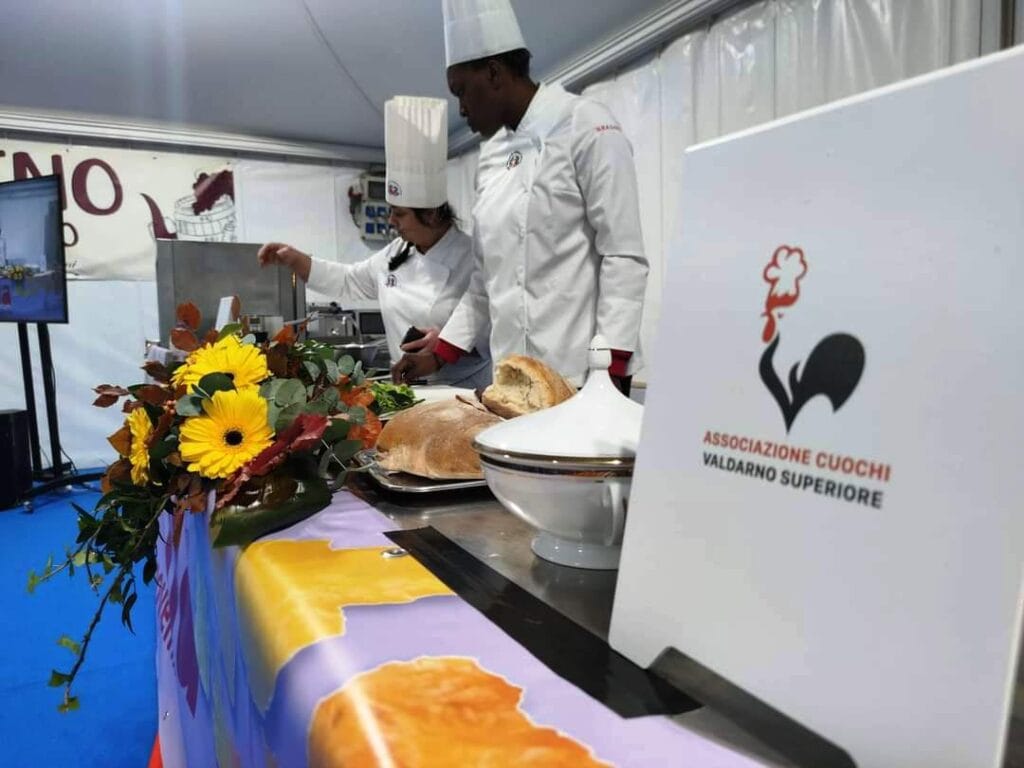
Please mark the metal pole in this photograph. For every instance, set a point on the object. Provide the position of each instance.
(30, 398)
(51, 397)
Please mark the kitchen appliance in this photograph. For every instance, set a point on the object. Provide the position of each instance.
(204, 272)
(567, 470)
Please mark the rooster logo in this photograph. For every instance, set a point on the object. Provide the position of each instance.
(835, 365)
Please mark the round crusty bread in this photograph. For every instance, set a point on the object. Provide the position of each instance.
(434, 440)
(523, 385)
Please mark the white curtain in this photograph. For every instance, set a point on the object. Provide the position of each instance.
(104, 344)
(767, 60)
(302, 205)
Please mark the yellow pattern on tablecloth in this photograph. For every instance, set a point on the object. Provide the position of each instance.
(290, 594)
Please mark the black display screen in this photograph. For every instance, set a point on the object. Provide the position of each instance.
(33, 286)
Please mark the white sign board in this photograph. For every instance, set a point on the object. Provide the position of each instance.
(828, 506)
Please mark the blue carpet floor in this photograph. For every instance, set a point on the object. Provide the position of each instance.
(117, 720)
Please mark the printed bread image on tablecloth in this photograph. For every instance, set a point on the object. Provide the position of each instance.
(435, 712)
(290, 594)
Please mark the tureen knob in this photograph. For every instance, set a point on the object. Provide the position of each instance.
(599, 354)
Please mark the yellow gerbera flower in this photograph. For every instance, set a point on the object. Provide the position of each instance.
(232, 431)
(138, 454)
(244, 363)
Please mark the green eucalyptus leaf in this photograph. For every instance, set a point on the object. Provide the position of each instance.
(336, 431)
(287, 416)
(66, 642)
(346, 365)
(249, 339)
(273, 413)
(343, 450)
(291, 391)
(58, 679)
(216, 382)
(161, 449)
(331, 371)
(358, 375)
(68, 705)
(229, 330)
(312, 369)
(189, 405)
(269, 389)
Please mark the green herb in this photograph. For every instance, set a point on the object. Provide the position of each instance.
(388, 398)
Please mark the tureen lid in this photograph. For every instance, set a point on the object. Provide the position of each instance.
(597, 423)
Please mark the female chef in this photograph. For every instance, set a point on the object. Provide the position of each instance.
(419, 278)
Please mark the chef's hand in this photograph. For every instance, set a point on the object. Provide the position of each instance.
(287, 256)
(427, 343)
(415, 366)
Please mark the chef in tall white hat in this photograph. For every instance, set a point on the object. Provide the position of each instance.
(556, 225)
(419, 278)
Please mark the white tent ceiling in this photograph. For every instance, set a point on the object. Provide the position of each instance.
(300, 70)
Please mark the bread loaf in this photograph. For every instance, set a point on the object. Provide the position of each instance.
(435, 440)
(523, 385)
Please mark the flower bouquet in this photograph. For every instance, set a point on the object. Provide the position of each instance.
(260, 433)
(17, 272)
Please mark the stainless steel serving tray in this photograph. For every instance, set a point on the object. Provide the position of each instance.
(402, 482)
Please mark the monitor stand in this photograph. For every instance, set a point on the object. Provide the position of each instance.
(59, 474)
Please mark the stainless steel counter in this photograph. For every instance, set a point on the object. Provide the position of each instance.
(481, 526)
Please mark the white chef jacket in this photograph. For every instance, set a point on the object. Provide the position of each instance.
(422, 292)
(556, 238)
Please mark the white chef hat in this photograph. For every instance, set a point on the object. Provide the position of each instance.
(416, 148)
(475, 29)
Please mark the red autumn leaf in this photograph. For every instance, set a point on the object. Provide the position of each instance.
(277, 361)
(350, 396)
(301, 435)
(178, 517)
(211, 336)
(119, 472)
(286, 335)
(236, 307)
(174, 459)
(184, 339)
(367, 432)
(153, 394)
(108, 395)
(188, 315)
(157, 371)
(121, 440)
(110, 389)
(163, 425)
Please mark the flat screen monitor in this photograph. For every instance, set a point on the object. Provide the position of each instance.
(371, 322)
(33, 287)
